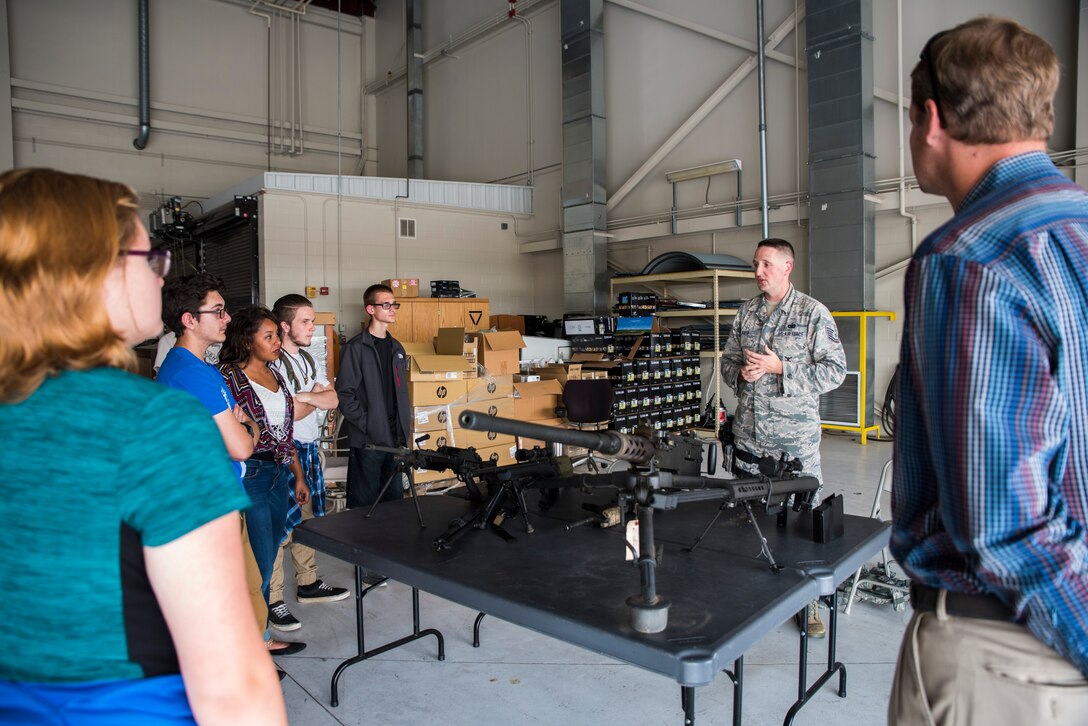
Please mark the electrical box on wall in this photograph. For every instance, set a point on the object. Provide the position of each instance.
(324, 291)
(311, 291)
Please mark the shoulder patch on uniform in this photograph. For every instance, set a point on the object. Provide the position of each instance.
(832, 333)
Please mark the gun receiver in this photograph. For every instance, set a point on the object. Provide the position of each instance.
(444, 457)
(679, 453)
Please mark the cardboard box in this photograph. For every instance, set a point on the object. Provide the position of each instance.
(501, 407)
(537, 400)
(508, 322)
(526, 443)
(403, 286)
(430, 418)
(502, 455)
(422, 476)
(561, 373)
(413, 348)
(435, 393)
(440, 368)
(485, 389)
(464, 438)
(454, 341)
(433, 441)
(500, 352)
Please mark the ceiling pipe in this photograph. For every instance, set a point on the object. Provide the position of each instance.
(140, 142)
(762, 74)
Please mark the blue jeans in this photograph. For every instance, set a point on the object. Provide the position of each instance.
(267, 484)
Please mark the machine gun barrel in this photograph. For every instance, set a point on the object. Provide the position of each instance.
(612, 443)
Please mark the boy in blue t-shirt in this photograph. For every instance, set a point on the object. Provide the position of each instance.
(194, 310)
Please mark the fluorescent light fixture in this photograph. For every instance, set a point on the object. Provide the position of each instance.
(701, 172)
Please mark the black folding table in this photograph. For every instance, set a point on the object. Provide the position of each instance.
(573, 584)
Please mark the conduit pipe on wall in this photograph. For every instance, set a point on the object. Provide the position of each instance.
(899, 117)
(528, 91)
(762, 73)
(140, 142)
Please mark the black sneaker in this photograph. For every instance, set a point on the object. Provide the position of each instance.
(320, 591)
(280, 618)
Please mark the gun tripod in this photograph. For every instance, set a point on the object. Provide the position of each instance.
(403, 467)
(764, 548)
(480, 519)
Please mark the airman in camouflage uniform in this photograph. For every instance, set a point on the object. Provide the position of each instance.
(779, 359)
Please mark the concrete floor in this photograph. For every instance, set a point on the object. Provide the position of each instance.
(518, 676)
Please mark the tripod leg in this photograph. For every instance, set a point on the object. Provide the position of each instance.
(707, 528)
(520, 493)
(415, 500)
(492, 505)
(382, 492)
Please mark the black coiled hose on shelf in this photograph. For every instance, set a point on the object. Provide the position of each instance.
(887, 411)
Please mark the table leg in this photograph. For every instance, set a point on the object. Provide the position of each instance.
(737, 676)
(687, 701)
(363, 654)
(476, 630)
(803, 694)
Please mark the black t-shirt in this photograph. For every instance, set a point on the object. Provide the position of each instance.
(385, 359)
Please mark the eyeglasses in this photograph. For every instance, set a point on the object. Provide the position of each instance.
(934, 87)
(217, 312)
(157, 260)
(388, 305)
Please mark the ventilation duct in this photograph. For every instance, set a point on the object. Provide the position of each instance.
(842, 222)
(585, 254)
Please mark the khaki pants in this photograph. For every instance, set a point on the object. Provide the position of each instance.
(253, 581)
(304, 557)
(955, 671)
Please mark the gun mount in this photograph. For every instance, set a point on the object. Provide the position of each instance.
(665, 472)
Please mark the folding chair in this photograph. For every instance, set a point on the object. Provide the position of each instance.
(900, 593)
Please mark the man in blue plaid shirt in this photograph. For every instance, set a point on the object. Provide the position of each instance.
(991, 454)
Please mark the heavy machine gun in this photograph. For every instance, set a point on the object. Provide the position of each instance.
(502, 488)
(665, 472)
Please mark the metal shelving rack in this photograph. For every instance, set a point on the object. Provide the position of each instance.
(715, 278)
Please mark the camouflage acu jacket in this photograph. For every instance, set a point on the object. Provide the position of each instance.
(781, 413)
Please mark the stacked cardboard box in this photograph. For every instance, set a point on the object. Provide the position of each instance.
(535, 402)
(439, 375)
(444, 381)
(403, 286)
(500, 352)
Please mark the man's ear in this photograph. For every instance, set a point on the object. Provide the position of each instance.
(932, 121)
(789, 266)
(284, 329)
(188, 320)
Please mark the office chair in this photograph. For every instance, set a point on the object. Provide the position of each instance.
(587, 404)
